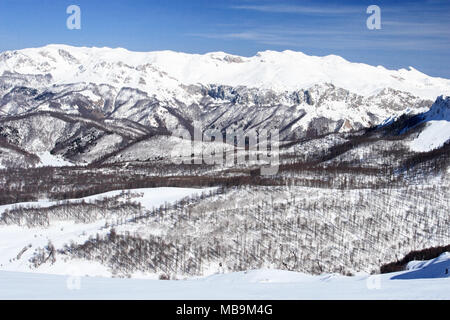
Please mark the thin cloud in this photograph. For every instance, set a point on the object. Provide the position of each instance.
(410, 28)
(404, 28)
(312, 10)
(330, 39)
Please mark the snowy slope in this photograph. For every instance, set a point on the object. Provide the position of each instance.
(47, 159)
(423, 283)
(147, 197)
(437, 130)
(430, 269)
(432, 137)
(163, 72)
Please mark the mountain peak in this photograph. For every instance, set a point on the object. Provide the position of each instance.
(440, 110)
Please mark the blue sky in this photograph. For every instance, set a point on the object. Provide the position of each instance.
(414, 33)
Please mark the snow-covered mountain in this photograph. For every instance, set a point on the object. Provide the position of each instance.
(164, 71)
(60, 98)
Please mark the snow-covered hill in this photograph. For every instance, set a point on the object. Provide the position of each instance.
(19, 243)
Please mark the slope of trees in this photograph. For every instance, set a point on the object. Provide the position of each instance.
(312, 230)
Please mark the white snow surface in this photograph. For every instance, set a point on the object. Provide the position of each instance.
(162, 72)
(437, 130)
(417, 265)
(427, 280)
(432, 137)
(147, 197)
(47, 159)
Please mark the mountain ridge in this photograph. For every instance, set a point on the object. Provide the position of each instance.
(151, 71)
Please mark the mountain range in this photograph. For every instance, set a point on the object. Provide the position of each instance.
(88, 104)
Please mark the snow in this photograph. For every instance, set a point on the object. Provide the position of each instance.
(47, 159)
(432, 137)
(250, 285)
(428, 269)
(155, 197)
(15, 238)
(162, 72)
(437, 130)
(147, 197)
